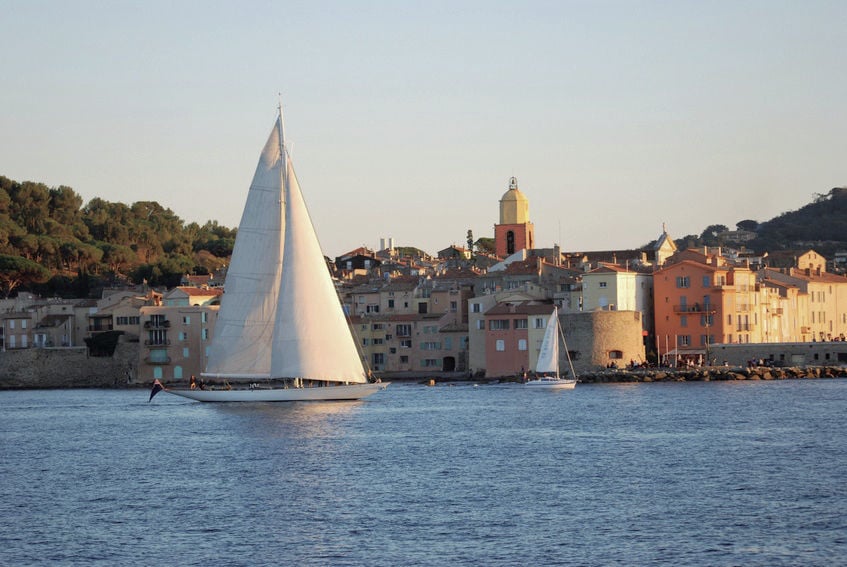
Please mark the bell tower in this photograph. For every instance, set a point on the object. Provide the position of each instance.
(514, 232)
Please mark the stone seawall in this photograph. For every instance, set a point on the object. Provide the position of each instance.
(34, 368)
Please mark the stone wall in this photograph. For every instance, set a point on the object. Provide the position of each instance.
(781, 354)
(68, 368)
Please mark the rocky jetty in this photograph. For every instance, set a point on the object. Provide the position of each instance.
(714, 373)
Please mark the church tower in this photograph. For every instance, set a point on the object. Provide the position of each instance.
(514, 232)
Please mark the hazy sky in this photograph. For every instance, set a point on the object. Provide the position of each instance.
(409, 118)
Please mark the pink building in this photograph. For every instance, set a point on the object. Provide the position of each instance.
(513, 336)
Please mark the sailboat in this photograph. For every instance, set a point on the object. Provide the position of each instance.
(547, 367)
(281, 333)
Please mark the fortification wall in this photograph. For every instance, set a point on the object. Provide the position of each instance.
(68, 368)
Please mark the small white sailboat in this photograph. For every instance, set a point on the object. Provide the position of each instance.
(281, 333)
(547, 367)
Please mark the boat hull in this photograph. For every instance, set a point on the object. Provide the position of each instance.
(552, 384)
(316, 394)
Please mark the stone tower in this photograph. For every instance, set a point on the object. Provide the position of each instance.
(514, 232)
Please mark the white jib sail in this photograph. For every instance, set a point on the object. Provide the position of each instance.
(548, 355)
(311, 337)
(241, 344)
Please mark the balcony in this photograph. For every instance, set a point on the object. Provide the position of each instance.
(157, 324)
(157, 360)
(696, 308)
(157, 342)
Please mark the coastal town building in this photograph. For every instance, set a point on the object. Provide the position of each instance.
(175, 341)
(701, 301)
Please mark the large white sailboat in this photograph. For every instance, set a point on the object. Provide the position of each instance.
(281, 333)
(547, 367)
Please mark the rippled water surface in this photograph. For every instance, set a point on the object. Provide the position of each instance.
(738, 473)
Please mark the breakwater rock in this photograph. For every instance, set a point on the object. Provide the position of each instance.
(715, 373)
(50, 368)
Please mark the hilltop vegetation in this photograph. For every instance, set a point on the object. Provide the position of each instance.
(822, 225)
(51, 243)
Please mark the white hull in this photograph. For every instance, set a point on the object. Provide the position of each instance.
(322, 393)
(552, 383)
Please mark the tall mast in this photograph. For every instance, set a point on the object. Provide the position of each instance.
(281, 134)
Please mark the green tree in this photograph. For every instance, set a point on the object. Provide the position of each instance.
(16, 271)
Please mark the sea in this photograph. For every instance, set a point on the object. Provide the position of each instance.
(721, 473)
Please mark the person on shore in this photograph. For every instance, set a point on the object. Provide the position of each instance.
(192, 382)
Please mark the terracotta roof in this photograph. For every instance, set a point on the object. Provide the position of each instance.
(522, 308)
(201, 292)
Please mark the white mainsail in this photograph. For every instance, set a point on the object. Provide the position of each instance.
(241, 344)
(548, 355)
(311, 337)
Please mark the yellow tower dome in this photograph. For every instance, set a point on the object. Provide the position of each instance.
(514, 206)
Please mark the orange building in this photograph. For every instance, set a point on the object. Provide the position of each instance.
(514, 232)
(700, 301)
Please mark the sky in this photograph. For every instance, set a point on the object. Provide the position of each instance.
(408, 118)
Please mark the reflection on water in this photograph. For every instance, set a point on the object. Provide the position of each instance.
(296, 419)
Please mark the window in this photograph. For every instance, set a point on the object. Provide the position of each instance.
(448, 343)
(454, 306)
(521, 324)
(157, 372)
(404, 330)
(391, 304)
(603, 284)
(616, 354)
(684, 340)
(204, 317)
(177, 372)
(683, 281)
(476, 308)
(521, 344)
(366, 342)
(23, 323)
(205, 334)
(378, 341)
(539, 323)
(378, 358)
(185, 353)
(431, 346)
(404, 359)
(377, 326)
(480, 325)
(186, 320)
(707, 281)
(500, 345)
(406, 343)
(430, 363)
(498, 325)
(392, 350)
(683, 321)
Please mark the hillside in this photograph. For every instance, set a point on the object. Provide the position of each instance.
(52, 244)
